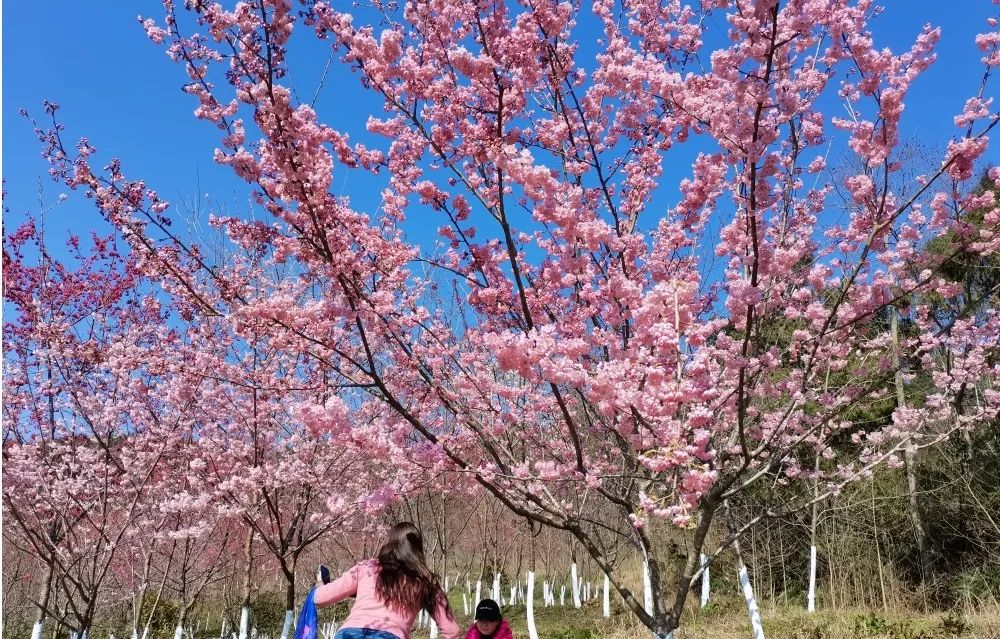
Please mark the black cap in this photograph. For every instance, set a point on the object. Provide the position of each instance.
(488, 610)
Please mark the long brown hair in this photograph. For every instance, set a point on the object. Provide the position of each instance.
(404, 581)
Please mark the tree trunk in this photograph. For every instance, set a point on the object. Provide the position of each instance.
(748, 595)
(43, 603)
(910, 458)
(811, 597)
(706, 584)
(286, 627)
(606, 598)
(179, 630)
(530, 604)
(648, 601)
(247, 583)
(529, 610)
(575, 584)
(878, 552)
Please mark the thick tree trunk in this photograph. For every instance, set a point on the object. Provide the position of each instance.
(530, 604)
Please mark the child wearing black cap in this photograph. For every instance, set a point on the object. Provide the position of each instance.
(489, 624)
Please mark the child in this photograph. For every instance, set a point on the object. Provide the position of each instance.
(490, 624)
(390, 590)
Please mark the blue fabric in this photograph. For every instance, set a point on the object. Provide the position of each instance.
(308, 619)
(363, 633)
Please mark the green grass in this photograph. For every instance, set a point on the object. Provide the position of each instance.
(727, 619)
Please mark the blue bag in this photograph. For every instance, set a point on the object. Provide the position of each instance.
(308, 622)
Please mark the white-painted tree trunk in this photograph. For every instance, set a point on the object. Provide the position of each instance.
(647, 588)
(647, 596)
(179, 632)
(706, 583)
(496, 588)
(529, 600)
(446, 585)
(751, 601)
(286, 628)
(576, 585)
(812, 579)
(562, 595)
(244, 622)
(606, 599)
(434, 629)
(479, 590)
(36, 630)
(465, 604)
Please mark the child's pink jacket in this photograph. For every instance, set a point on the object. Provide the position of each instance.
(503, 632)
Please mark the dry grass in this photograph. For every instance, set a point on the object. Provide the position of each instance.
(730, 621)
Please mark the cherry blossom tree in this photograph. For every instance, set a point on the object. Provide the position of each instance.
(84, 428)
(602, 346)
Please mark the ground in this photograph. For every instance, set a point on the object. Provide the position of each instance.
(728, 620)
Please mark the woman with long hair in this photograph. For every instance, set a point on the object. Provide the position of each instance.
(390, 591)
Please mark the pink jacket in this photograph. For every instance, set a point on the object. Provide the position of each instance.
(502, 632)
(370, 611)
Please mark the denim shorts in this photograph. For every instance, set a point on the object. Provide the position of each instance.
(363, 633)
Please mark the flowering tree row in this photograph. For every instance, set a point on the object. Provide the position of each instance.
(570, 340)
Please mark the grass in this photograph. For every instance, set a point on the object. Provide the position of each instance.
(727, 619)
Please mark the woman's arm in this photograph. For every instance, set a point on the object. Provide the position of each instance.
(339, 589)
(443, 618)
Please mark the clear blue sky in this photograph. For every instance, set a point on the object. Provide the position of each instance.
(120, 90)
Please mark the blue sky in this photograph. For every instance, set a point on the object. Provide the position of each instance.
(120, 90)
